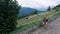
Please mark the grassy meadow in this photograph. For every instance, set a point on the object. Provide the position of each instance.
(32, 20)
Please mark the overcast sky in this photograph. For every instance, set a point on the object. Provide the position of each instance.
(38, 3)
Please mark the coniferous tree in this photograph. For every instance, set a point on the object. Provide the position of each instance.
(8, 16)
(34, 12)
(49, 8)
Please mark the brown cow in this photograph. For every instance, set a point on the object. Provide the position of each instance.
(45, 21)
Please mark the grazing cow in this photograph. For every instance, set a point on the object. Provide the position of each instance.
(45, 21)
(26, 17)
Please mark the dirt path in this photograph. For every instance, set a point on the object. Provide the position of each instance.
(53, 28)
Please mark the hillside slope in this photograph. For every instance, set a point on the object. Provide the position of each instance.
(35, 19)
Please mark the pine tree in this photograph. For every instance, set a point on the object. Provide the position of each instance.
(8, 16)
(34, 12)
(49, 8)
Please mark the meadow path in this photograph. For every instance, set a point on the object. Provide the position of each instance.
(53, 28)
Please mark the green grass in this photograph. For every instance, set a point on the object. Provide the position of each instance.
(24, 24)
(35, 18)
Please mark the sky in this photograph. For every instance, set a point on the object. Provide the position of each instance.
(38, 3)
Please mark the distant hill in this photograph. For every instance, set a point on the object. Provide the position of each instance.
(27, 11)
